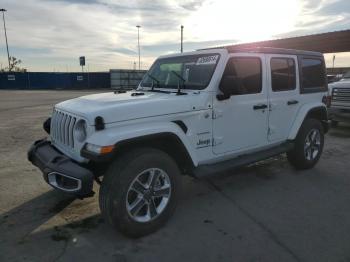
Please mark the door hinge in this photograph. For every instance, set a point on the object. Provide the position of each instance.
(217, 141)
(216, 114)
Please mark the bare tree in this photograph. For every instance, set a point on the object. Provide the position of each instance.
(14, 65)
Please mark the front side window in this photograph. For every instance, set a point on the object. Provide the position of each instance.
(282, 74)
(313, 74)
(195, 70)
(246, 75)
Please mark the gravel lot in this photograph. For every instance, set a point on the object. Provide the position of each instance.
(265, 212)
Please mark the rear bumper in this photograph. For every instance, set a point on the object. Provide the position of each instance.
(59, 171)
(338, 114)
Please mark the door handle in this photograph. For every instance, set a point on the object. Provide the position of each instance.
(259, 106)
(292, 102)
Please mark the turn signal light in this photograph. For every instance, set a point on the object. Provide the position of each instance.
(101, 150)
(106, 149)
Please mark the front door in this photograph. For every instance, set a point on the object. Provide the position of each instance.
(241, 122)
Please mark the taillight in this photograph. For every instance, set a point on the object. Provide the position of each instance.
(327, 100)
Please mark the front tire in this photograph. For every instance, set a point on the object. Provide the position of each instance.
(308, 145)
(139, 191)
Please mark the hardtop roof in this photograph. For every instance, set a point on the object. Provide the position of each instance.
(267, 50)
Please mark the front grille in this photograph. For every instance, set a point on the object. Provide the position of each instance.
(341, 97)
(62, 126)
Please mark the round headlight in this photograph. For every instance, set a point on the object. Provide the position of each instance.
(80, 130)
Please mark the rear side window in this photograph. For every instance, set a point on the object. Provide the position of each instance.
(313, 74)
(247, 72)
(282, 74)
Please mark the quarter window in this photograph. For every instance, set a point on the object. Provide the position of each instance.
(283, 74)
(312, 73)
(247, 74)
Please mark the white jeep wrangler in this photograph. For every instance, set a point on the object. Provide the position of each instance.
(194, 113)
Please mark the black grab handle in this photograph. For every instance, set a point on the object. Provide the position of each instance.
(259, 106)
(292, 102)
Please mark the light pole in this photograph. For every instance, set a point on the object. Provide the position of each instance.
(138, 44)
(182, 37)
(7, 46)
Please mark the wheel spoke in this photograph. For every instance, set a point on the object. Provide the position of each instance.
(307, 146)
(309, 153)
(307, 140)
(313, 135)
(162, 192)
(137, 206)
(138, 187)
(315, 151)
(152, 210)
(315, 147)
(154, 176)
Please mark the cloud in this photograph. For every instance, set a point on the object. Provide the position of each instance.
(124, 51)
(192, 5)
(49, 34)
(102, 30)
(76, 1)
(324, 15)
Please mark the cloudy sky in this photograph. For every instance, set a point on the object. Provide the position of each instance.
(50, 35)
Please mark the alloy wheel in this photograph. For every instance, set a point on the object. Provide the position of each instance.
(148, 195)
(312, 145)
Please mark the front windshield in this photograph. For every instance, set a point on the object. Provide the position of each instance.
(196, 70)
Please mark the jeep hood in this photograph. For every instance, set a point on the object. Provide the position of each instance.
(131, 105)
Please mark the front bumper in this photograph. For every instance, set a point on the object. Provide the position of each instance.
(59, 171)
(338, 114)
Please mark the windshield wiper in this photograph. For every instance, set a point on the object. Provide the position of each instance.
(153, 80)
(158, 91)
(158, 85)
(178, 83)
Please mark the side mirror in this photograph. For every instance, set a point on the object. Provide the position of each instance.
(229, 85)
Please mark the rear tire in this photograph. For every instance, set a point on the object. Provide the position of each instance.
(308, 145)
(139, 191)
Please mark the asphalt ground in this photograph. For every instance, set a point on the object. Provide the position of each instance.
(264, 212)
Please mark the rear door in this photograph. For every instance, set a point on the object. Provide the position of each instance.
(283, 95)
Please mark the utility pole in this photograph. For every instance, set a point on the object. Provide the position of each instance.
(7, 46)
(88, 76)
(182, 37)
(333, 62)
(138, 44)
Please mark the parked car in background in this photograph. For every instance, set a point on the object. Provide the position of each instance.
(339, 92)
(330, 78)
(334, 78)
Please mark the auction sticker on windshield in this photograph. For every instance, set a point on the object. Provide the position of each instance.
(207, 60)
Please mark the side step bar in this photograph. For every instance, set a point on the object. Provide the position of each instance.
(243, 160)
